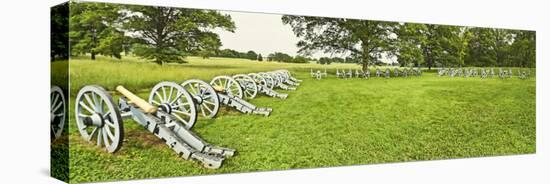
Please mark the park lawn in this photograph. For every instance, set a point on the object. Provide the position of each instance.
(328, 122)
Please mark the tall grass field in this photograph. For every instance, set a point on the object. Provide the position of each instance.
(324, 123)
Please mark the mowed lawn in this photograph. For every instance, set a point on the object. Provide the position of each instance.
(329, 122)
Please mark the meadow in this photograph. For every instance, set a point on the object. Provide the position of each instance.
(324, 123)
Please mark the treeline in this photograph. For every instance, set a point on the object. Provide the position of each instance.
(329, 60)
(368, 42)
(158, 34)
(229, 53)
(285, 58)
(276, 56)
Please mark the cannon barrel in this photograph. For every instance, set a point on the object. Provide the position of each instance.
(142, 104)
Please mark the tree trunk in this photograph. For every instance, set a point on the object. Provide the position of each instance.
(365, 59)
(93, 55)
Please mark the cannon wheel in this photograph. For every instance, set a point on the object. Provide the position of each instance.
(285, 75)
(247, 83)
(276, 76)
(205, 97)
(228, 85)
(57, 111)
(98, 116)
(173, 99)
(270, 82)
(258, 79)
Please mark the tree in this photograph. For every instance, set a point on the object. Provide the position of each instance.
(251, 55)
(523, 49)
(442, 45)
(280, 57)
(59, 25)
(324, 60)
(481, 47)
(300, 59)
(168, 34)
(409, 44)
(260, 58)
(363, 39)
(93, 29)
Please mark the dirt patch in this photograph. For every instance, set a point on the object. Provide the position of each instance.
(143, 139)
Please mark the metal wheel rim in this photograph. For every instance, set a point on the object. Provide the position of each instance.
(181, 103)
(230, 86)
(94, 99)
(258, 79)
(269, 80)
(210, 103)
(58, 112)
(250, 88)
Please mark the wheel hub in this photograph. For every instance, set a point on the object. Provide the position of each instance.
(199, 99)
(95, 119)
(166, 108)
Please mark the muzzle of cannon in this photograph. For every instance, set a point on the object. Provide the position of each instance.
(169, 115)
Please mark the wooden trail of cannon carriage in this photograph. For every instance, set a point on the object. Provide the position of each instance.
(170, 111)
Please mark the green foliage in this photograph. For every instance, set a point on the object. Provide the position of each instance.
(328, 60)
(260, 57)
(409, 44)
(94, 29)
(523, 49)
(251, 55)
(280, 57)
(363, 39)
(167, 35)
(229, 53)
(300, 59)
(482, 47)
(59, 32)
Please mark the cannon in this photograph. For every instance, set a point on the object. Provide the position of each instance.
(340, 74)
(358, 73)
(169, 114)
(483, 73)
(58, 110)
(317, 75)
(280, 81)
(230, 93)
(349, 74)
(292, 79)
(264, 87)
(366, 74)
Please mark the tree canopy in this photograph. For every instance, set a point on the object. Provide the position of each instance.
(167, 34)
(366, 40)
(93, 29)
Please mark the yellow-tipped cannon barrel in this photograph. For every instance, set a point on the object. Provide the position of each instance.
(142, 104)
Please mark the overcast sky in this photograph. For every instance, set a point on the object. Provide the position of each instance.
(262, 33)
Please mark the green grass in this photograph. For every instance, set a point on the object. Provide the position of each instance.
(329, 122)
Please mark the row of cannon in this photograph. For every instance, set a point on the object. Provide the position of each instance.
(343, 74)
(483, 72)
(172, 109)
